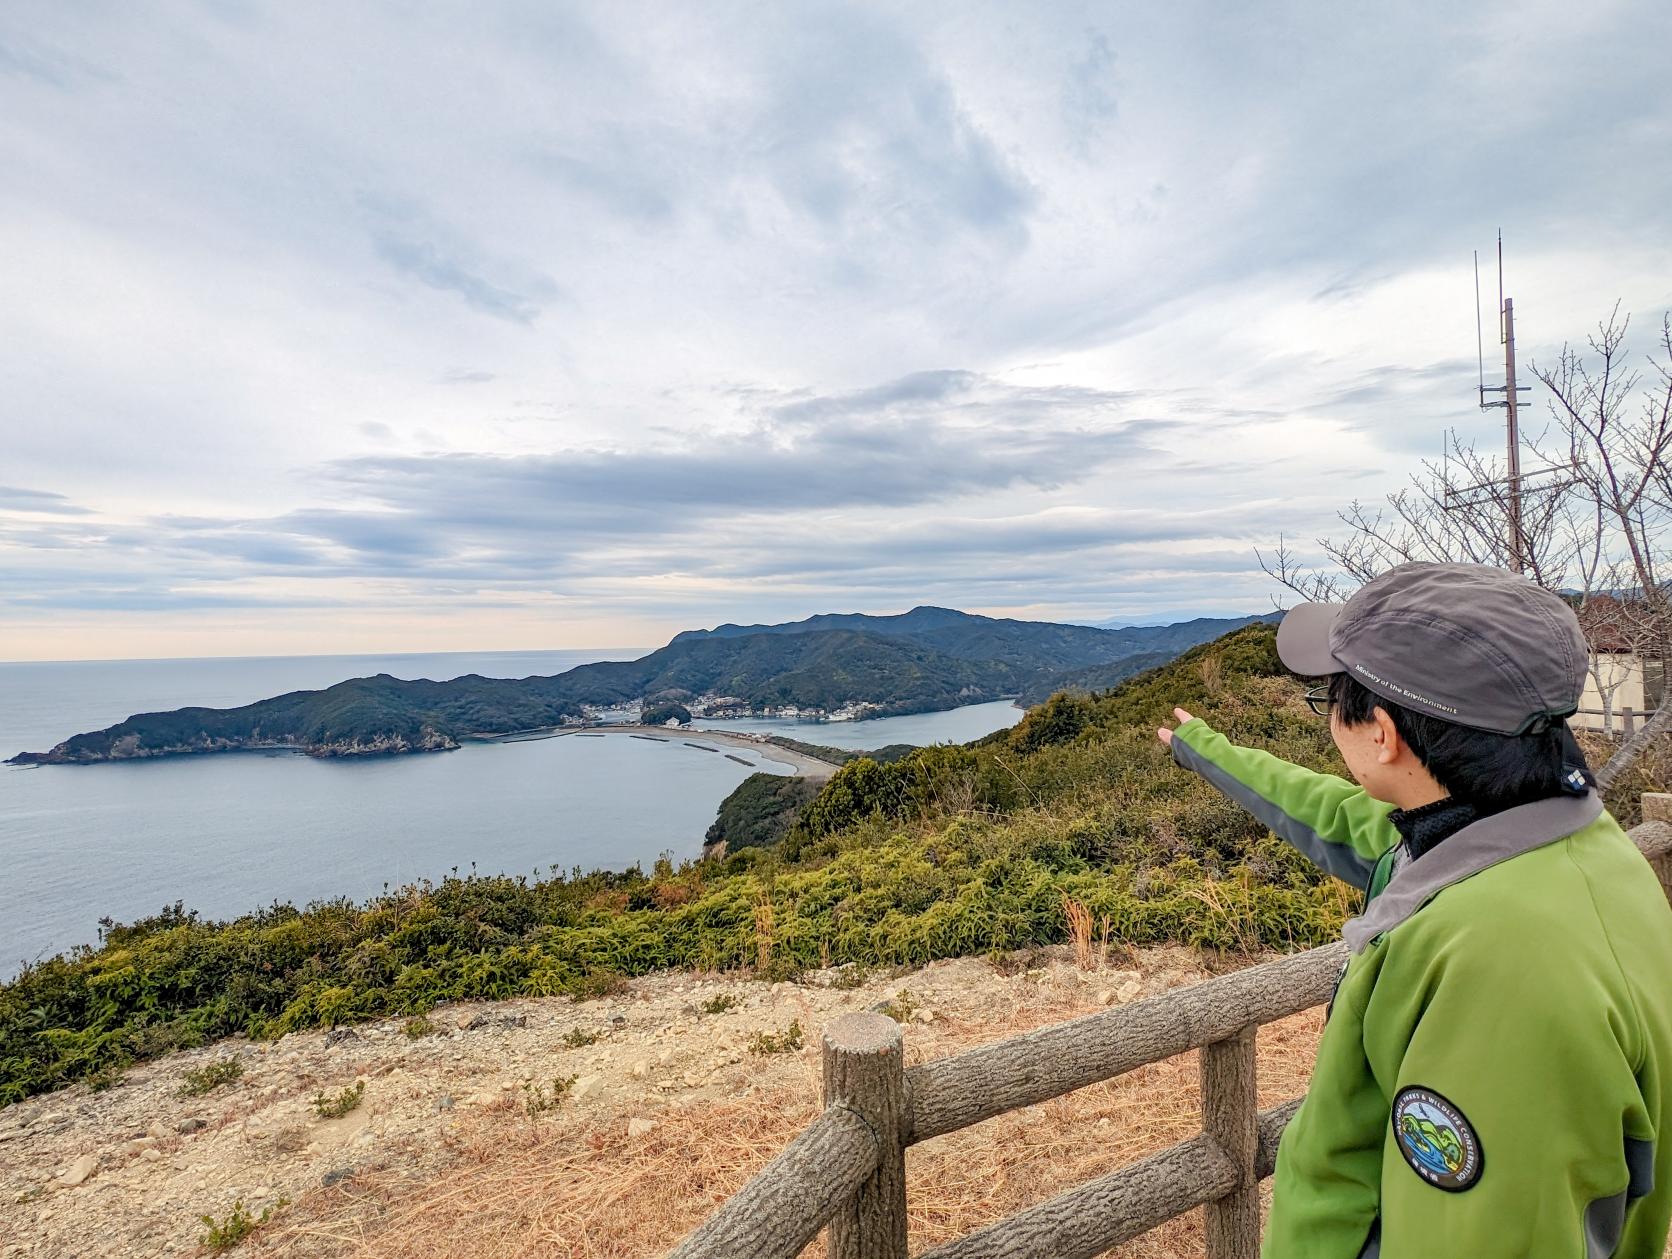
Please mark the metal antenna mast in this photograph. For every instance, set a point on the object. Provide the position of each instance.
(1512, 406)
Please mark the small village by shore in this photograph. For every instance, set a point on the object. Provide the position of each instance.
(724, 707)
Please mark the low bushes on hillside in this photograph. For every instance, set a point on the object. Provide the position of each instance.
(760, 811)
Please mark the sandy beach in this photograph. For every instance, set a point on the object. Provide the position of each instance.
(716, 741)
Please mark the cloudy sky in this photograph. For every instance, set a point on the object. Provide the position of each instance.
(397, 326)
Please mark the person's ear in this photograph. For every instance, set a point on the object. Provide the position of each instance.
(1386, 737)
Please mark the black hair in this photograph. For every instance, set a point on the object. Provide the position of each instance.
(1490, 771)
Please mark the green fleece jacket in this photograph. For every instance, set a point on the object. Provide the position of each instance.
(1495, 1078)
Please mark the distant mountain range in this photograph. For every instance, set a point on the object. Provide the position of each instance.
(918, 661)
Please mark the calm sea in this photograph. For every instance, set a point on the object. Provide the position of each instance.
(229, 833)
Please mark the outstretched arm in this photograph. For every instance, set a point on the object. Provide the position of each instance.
(1339, 827)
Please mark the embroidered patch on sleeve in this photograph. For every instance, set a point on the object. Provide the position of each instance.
(1437, 1141)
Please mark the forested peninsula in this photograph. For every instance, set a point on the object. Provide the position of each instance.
(919, 661)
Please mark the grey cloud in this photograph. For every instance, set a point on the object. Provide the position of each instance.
(1408, 409)
(951, 393)
(389, 536)
(13, 498)
(412, 244)
(261, 549)
(892, 446)
(1073, 549)
(426, 262)
(928, 439)
(158, 599)
(862, 132)
(1378, 384)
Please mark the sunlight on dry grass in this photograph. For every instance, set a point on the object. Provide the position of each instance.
(581, 1187)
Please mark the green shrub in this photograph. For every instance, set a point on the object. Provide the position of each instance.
(106, 1078)
(537, 1099)
(340, 1105)
(577, 1038)
(784, 1042)
(596, 984)
(720, 1004)
(901, 1008)
(207, 1079)
(419, 1026)
(238, 1225)
(853, 975)
(1060, 719)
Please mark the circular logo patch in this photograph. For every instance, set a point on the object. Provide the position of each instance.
(1436, 1140)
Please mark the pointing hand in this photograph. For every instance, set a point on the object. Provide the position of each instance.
(1166, 735)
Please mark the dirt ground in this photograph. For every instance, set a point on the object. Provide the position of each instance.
(462, 1146)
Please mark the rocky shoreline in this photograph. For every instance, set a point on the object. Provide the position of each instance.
(130, 749)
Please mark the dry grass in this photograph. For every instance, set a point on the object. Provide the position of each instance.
(1079, 930)
(763, 933)
(578, 1186)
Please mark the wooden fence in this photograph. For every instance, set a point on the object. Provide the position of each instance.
(847, 1169)
(1625, 717)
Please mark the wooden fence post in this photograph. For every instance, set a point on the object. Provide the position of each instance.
(1230, 1117)
(1631, 726)
(864, 1071)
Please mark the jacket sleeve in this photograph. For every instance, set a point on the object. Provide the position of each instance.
(1334, 823)
(1513, 1126)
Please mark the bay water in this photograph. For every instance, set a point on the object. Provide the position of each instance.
(232, 832)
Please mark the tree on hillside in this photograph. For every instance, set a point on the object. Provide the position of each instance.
(1593, 519)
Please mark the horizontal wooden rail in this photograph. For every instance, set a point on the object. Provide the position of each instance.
(1272, 1123)
(1624, 714)
(1090, 1218)
(1036, 1066)
(783, 1208)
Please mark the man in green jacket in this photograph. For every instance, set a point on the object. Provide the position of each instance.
(1495, 1078)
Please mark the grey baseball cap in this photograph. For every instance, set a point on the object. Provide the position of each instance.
(1473, 645)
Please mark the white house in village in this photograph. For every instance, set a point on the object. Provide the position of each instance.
(1632, 682)
(1622, 673)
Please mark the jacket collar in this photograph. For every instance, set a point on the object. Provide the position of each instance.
(1476, 847)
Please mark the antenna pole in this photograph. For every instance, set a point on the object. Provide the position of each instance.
(1513, 483)
(1517, 547)
(1480, 343)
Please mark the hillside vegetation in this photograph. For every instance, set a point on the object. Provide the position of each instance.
(1029, 645)
(948, 851)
